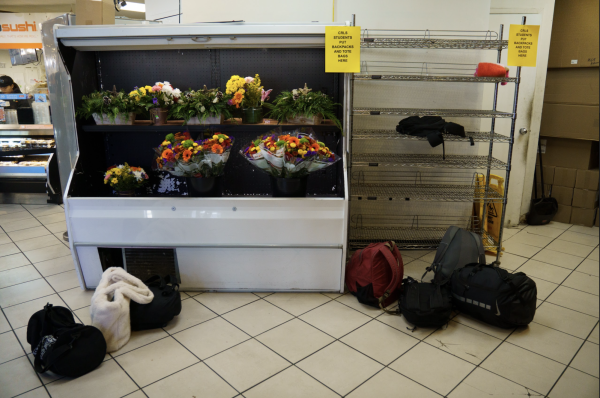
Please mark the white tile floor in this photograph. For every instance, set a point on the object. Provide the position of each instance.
(309, 344)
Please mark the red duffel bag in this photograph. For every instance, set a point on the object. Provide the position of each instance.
(374, 274)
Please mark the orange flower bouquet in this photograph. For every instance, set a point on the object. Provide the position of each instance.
(183, 157)
(290, 154)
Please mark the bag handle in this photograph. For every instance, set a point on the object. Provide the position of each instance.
(55, 355)
(163, 283)
(395, 274)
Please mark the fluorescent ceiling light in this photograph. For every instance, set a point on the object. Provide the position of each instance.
(135, 7)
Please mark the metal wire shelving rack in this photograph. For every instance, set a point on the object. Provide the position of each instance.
(381, 178)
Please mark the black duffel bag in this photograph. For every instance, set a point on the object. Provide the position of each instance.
(62, 346)
(162, 309)
(425, 304)
(494, 295)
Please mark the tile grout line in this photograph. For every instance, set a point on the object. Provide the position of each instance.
(569, 364)
(339, 340)
(26, 355)
(558, 285)
(55, 292)
(505, 340)
(128, 375)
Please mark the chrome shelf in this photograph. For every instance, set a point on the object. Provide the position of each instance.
(424, 192)
(431, 112)
(406, 238)
(418, 160)
(455, 79)
(410, 231)
(430, 43)
(477, 136)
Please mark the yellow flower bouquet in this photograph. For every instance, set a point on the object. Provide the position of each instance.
(125, 178)
(249, 94)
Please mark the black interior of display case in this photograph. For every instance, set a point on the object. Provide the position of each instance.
(279, 69)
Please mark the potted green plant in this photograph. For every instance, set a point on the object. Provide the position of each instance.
(157, 100)
(248, 94)
(303, 106)
(206, 106)
(108, 107)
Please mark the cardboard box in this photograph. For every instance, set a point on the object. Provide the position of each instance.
(580, 122)
(564, 177)
(563, 195)
(585, 198)
(574, 42)
(580, 216)
(574, 154)
(548, 175)
(563, 214)
(95, 12)
(573, 86)
(587, 179)
(547, 190)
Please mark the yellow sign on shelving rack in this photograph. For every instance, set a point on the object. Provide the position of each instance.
(522, 45)
(342, 49)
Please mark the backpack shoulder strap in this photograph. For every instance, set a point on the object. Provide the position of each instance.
(479, 244)
(387, 249)
(442, 248)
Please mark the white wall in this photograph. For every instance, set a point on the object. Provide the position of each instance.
(22, 74)
(165, 10)
(256, 11)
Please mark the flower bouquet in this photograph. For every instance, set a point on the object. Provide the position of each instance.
(157, 100)
(108, 107)
(248, 92)
(125, 179)
(201, 161)
(289, 157)
(303, 106)
(202, 107)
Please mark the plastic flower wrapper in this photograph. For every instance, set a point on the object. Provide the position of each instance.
(293, 154)
(183, 157)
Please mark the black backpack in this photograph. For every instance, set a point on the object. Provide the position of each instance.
(62, 346)
(458, 248)
(494, 295)
(425, 304)
(164, 307)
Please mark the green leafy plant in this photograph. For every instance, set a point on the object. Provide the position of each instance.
(202, 104)
(305, 102)
(111, 103)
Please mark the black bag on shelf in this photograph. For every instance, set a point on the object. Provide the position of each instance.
(494, 295)
(62, 346)
(543, 210)
(458, 248)
(425, 304)
(164, 307)
(431, 127)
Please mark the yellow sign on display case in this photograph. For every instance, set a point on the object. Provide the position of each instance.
(342, 49)
(522, 45)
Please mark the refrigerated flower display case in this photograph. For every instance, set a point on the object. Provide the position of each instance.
(239, 235)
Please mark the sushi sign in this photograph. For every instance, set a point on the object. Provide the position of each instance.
(22, 30)
(522, 45)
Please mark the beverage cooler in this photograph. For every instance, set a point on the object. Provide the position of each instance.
(243, 238)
